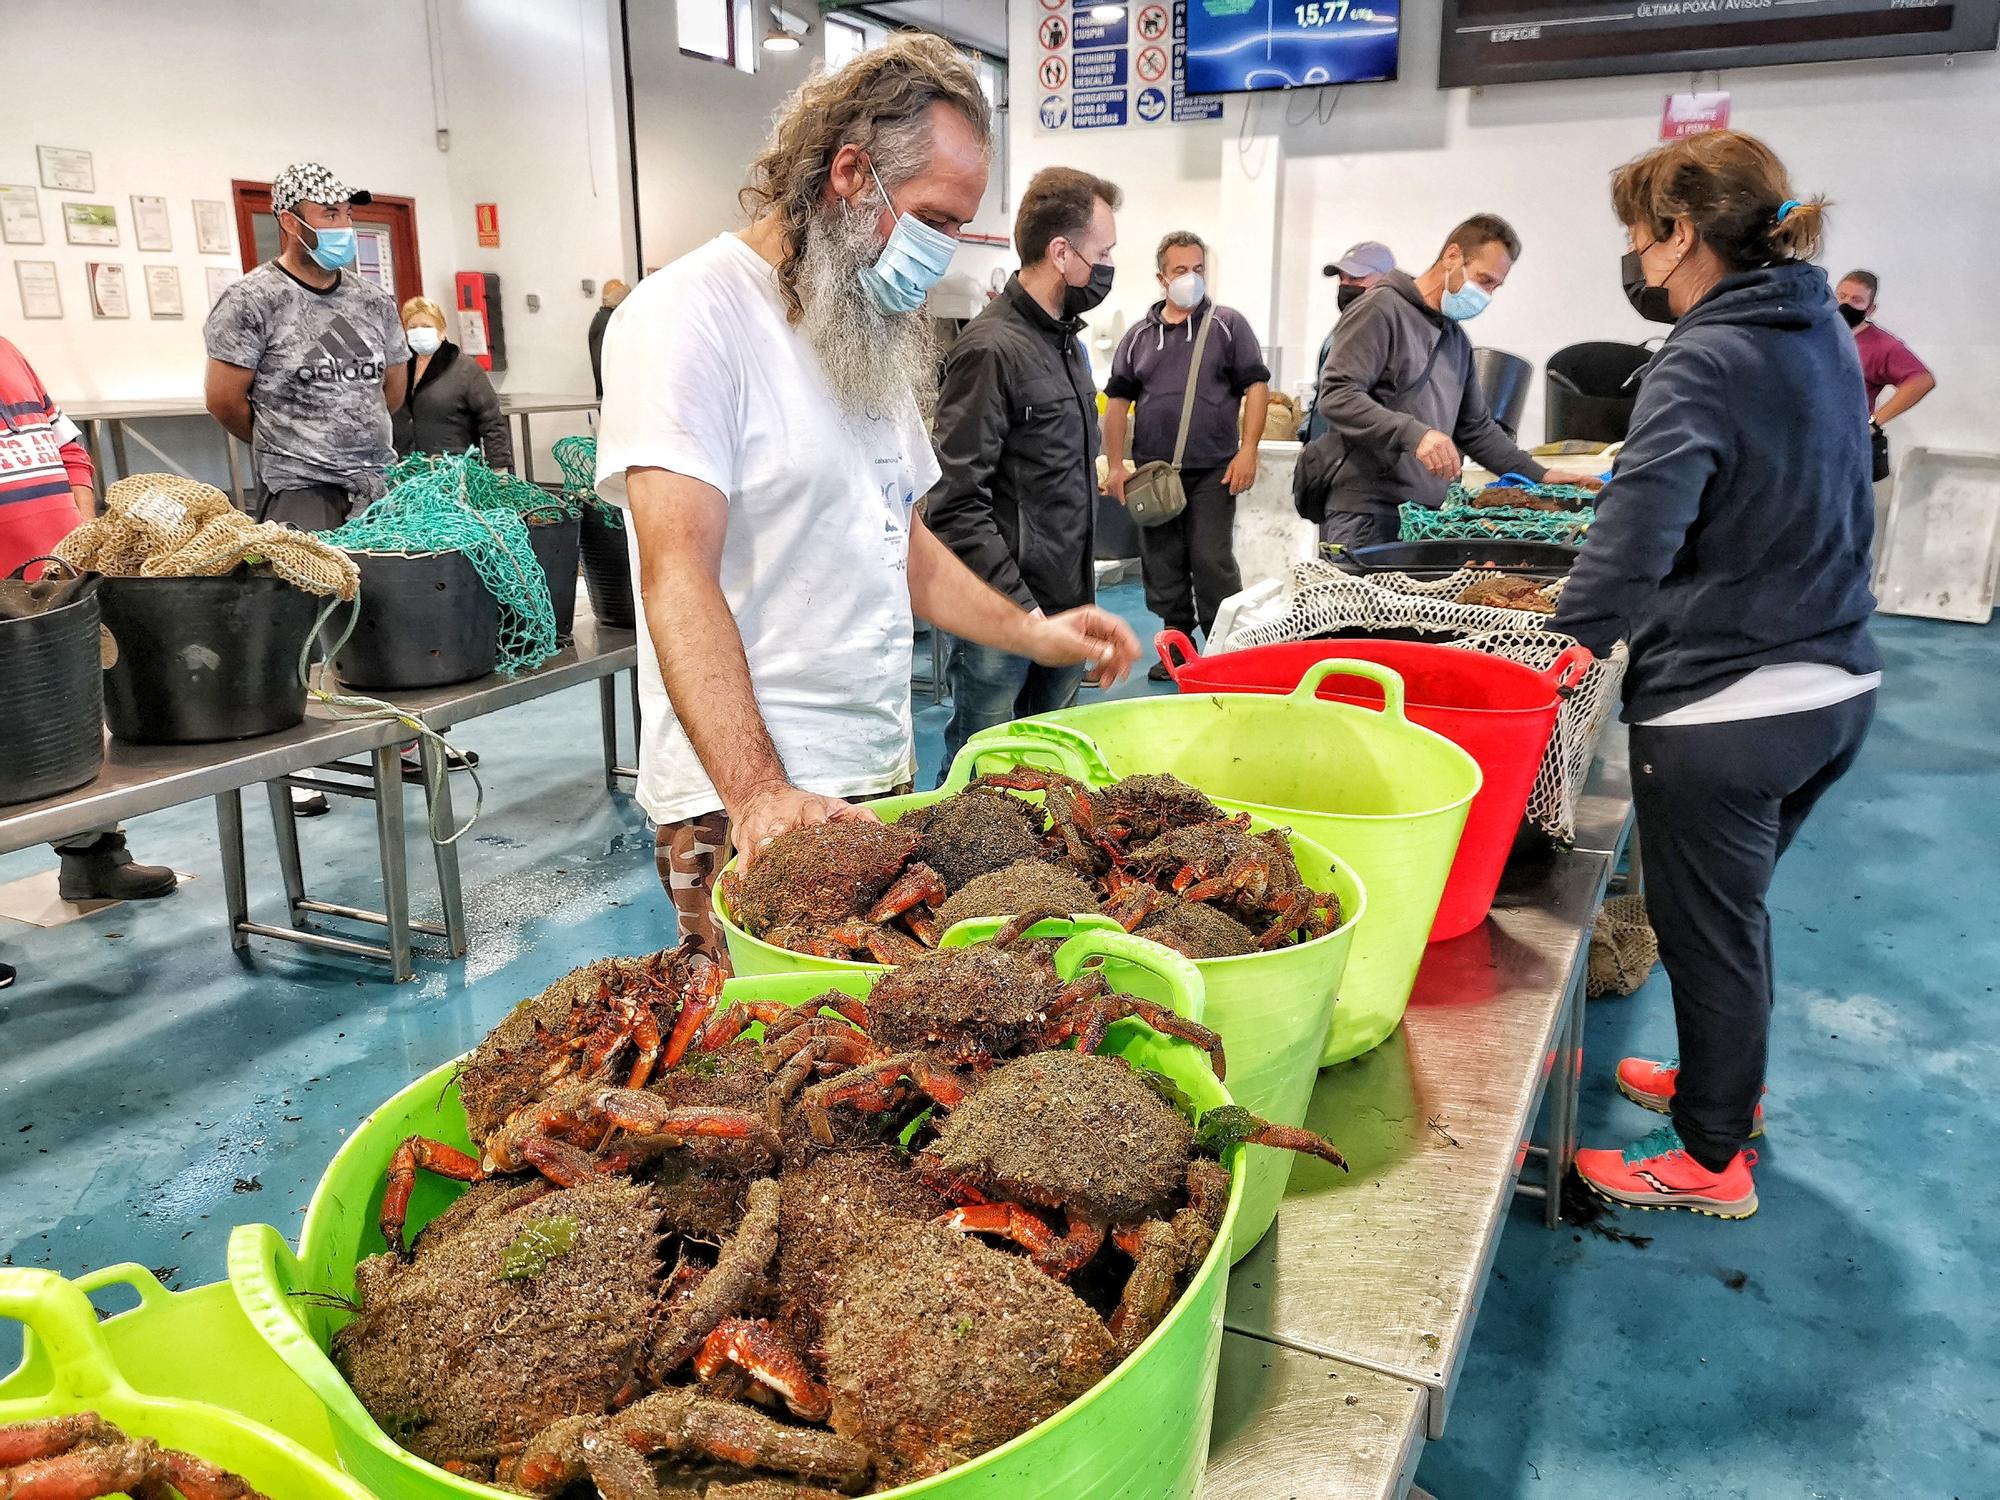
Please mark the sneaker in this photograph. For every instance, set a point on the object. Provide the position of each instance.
(1158, 672)
(6, 975)
(309, 804)
(102, 870)
(1650, 1085)
(454, 760)
(1655, 1171)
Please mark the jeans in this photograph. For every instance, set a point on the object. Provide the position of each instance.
(1189, 562)
(1359, 528)
(991, 687)
(1717, 805)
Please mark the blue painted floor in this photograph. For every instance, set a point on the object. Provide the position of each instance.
(156, 1088)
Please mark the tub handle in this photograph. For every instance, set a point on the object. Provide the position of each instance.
(63, 1325)
(1188, 995)
(971, 930)
(1386, 678)
(1075, 754)
(1566, 675)
(266, 1276)
(1176, 651)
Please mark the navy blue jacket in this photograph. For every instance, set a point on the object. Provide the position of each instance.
(1735, 531)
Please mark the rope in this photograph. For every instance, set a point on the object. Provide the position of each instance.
(577, 458)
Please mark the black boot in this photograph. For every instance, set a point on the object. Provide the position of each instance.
(102, 870)
(6, 975)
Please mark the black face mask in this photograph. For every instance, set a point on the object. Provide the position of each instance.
(1078, 300)
(1347, 296)
(1649, 302)
(1853, 316)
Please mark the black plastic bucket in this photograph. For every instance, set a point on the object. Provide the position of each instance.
(204, 659)
(51, 701)
(426, 620)
(556, 548)
(607, 568)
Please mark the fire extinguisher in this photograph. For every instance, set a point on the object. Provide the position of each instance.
(483, 337)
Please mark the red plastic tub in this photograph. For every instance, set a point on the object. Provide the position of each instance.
(1499, 712)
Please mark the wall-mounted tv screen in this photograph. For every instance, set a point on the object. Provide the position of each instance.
(1520, 41)
(1241, 46)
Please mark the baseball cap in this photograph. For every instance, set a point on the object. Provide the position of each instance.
(309, 182)
(1369, 258)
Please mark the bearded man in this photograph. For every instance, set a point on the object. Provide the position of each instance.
(762, 425)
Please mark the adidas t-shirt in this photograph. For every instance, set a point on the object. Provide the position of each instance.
(320, 358)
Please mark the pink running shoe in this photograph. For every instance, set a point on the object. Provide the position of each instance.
(1650, 1085)
(1655, 1171)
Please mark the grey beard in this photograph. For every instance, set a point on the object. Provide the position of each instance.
(871, 359)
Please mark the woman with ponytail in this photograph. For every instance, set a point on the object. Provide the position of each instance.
(1730, 553)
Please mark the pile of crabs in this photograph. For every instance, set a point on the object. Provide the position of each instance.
(1150, 851)
(751, 1251)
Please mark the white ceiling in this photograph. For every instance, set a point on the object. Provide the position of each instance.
(978, 23)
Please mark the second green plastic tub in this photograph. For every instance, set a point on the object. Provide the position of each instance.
(1273, 1010)
(1141, 1433)
(183, 1368)
(1387, 796)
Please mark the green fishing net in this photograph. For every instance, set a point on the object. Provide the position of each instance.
(454, 503)
(577, 458)
(1459, 519)
(487, 488)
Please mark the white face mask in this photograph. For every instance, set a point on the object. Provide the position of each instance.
(1187, 289)
(424, 339)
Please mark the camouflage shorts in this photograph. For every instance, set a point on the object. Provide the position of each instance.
(689, 855)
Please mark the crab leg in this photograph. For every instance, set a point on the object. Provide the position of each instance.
(696, 1007)
(883, 944)
(724, 1289)
(47, 1437)
(416, 1153)
(922, 921)
(1295, 1138)
(919, 885)
(636, 1113)
(198, 1479)
(82, 1473)
(876, 1087)
(1010, 1221)
(1089, 1020)
(756, 1347)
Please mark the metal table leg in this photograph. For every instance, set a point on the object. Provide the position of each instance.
(395, 873)
(527, 451)
(607, 721)
(1563, 1100)
(118, 448)
(285, 825)
(235, 888)
(436, 774)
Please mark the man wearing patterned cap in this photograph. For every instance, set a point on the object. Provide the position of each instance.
(306, 360)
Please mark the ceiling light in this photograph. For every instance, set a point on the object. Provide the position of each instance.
(777, 39)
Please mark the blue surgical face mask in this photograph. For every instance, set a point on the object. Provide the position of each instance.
(911, 263)
(1469, 301)
(332, 248)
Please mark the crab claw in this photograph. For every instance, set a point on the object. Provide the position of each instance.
(919, 885)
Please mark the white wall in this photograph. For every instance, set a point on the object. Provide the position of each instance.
(1902, 147)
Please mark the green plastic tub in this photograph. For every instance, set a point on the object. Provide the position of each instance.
(185, 1369)
(1140, 1434)
(1273, 1010)
(1387, 796)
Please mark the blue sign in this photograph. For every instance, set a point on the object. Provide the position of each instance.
(1103, 69)
(1151, 105)
(1185, 108)
(1094, 111)
(1055, 113)
(1087, 32)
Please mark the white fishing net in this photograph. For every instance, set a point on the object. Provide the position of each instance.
(1324, 599)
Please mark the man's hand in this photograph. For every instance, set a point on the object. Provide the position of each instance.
(1087, 634)
(1576, 478)
(1242, 471)
(779, 807)
(1115, 476)
(1437, 454)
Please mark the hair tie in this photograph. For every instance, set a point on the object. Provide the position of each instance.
(1786, 207)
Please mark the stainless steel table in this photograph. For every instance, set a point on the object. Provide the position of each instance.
(1385, 1267)
(105, 420)
(1297, 1426)
(526, 406)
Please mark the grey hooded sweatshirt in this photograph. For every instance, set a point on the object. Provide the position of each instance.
(1379, 401)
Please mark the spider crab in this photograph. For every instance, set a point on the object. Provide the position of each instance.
(1095, 828)
(1250, 876)
(835, 889)
(80, 1456)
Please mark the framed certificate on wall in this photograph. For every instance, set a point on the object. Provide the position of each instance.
(41, 296)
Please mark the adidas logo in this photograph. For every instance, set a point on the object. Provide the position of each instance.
(343, 356)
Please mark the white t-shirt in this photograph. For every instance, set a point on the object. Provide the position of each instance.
(1786, 687)
(703, 376)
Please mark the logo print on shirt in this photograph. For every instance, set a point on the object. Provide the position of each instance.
(344, 356)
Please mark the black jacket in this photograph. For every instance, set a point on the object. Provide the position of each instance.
(1379, 402)
(1736, 528)
(452, 408)
(598, 321)
(1016, 436)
